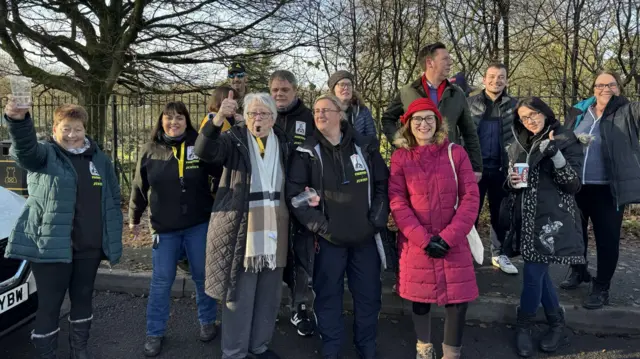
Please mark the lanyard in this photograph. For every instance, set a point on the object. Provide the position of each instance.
(180, 164)
(260, 145)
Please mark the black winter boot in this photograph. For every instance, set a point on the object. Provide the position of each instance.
(598, 296)
(579, 274)
(556, 336)
(78, 337)
(46, 344)
(524, 337)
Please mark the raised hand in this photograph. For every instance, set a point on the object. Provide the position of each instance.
(13, 111)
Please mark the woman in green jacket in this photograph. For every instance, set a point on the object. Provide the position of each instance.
(71, 221)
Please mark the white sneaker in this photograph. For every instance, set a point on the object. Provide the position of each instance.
(504, 264)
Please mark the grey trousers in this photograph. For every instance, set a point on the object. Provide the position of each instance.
(249, 321)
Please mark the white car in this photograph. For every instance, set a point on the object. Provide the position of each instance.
(18, 292)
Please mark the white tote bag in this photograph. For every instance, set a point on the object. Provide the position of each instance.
(477, 249)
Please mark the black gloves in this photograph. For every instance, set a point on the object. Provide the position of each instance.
(437, 247)
(548, 148)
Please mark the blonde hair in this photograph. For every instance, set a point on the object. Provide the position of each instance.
(404, 138)
(335, 101)
(70, 112)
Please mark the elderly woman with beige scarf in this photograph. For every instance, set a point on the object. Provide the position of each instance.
(248, 231)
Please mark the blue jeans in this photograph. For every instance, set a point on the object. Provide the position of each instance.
(165, 257)
(537, 288)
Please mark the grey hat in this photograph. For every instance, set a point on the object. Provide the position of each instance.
(337, 76)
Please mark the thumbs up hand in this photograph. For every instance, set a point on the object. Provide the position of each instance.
(227, 109)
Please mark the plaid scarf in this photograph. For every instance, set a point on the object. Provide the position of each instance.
(264, 199)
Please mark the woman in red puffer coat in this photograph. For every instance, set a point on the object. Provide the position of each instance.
(436, 265)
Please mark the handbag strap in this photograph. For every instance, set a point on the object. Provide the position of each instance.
(455, 175)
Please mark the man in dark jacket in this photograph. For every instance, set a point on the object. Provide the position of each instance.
(296, 120)
(293, 116)
(450, 99)
(492, 113)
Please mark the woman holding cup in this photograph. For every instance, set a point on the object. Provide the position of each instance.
(544, 222)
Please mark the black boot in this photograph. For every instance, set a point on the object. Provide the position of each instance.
(524, 338)
(598, 296)
(556, 336)
(152, 346)
(579, 274)
(78, 337)
(46, 344)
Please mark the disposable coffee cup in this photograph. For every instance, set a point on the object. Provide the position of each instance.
(522, 169)
(304, 198)
(21, 91)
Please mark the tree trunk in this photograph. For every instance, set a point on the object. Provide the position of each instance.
(505, 10)
(95, 99)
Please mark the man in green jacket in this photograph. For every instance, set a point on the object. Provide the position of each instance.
(71, 221)
(451, 101)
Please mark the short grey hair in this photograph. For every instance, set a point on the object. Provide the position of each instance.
(284, 75)
(335, 101)
(261, 98)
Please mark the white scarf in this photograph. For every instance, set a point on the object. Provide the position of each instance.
(266, 184)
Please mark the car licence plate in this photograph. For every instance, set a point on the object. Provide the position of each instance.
(14, 297)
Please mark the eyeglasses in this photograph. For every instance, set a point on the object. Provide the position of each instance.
(253, 115)
(530, 118)
(611, 85)
(418, 120)
(317, 111)
(239, 75)
(344, 85)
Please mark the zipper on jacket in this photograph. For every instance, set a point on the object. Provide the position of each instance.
(586, 155)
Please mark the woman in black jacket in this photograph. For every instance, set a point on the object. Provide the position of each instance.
(172, 181)
(608, 126)
(351, 206)
(544, 223)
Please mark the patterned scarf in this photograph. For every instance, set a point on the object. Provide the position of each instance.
(266, 183)
(77, 151)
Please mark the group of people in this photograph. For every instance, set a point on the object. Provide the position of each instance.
(266, 190)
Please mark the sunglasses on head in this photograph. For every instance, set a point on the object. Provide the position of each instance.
(236, 74)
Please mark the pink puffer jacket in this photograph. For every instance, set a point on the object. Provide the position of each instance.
(422, 192)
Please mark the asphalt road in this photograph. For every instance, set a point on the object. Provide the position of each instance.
(119, 331)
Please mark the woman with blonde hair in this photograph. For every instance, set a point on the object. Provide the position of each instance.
(349, 176)
(434, 202)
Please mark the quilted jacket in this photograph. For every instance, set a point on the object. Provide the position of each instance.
(422, 192)
(43, 231)
(226, 237)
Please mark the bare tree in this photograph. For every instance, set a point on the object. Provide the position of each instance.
(88, 47)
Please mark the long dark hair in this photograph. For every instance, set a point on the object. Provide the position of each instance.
(536, 104)
(177, 107)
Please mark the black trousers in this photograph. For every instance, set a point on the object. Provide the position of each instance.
(597, 203)
(491, 185)
(53, 280)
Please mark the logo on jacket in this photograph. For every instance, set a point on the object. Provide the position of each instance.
(301, 128)
(359, 168)
(550, 230)
(93, 170)
(191, 156)
(95, 176)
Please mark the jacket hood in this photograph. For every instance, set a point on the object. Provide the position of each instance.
(400, 138)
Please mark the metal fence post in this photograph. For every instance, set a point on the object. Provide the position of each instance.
(114, 143)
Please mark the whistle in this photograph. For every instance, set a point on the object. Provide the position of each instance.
(258, 128)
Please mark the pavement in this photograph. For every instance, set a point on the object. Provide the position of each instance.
(119, 331)
(500, 292)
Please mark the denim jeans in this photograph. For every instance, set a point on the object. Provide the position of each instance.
(537, 288)
(166, 254)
